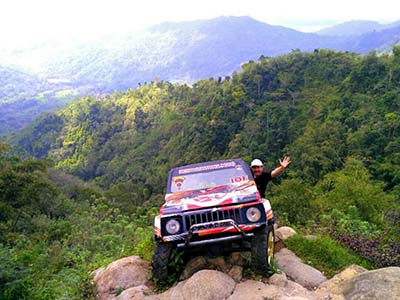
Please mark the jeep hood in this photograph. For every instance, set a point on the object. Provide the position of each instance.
(211, 197)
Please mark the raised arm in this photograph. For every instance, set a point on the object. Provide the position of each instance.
(284, 163)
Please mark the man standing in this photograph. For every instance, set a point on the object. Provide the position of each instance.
(262, 178)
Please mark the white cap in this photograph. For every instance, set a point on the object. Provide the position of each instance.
(256, 162)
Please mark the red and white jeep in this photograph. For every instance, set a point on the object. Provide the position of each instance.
(213, 204)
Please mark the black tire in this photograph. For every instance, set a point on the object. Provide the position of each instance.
(262, 249)
(160, 261)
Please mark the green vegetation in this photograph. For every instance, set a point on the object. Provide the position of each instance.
(336, 114)
(324, 254)
(56, 229)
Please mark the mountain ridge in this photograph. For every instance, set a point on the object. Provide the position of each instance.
(175, 52)
(356, 27)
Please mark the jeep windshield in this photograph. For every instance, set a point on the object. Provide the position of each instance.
(207, 176)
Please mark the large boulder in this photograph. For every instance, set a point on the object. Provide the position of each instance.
(284, 232)
(257, 290)
(126, 279)
(254, 290)
(346, 274)
(136, 293)
(372, 285)
(278, 279)
(208, 285)
(120, 275)
(299, 272)
(203, 285)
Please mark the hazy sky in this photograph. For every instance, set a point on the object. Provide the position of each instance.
(31, 19)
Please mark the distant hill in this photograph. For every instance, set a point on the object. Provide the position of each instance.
(24, 95)
(354, 28)
(351, 28)
(176, 52)
(14, 81)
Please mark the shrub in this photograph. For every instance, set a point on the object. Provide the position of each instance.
(292, 200)
(375, 249)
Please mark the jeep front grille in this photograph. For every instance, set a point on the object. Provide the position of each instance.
(212, 216)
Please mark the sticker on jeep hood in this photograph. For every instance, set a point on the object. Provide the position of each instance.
(212, 197)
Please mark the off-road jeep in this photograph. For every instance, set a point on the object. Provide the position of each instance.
(213, 204)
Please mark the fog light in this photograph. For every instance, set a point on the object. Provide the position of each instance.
(172, 226)
(253, 214)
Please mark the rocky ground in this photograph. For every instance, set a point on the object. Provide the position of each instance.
(218, 278)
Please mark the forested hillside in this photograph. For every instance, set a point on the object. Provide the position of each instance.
(319, 107)
(25, 95)
(336, 114)
(181, 52)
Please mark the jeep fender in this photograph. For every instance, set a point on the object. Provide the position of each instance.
(268, 210)
(157, 228)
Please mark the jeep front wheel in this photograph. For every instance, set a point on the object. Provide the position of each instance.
(262, 249)
(160, 261)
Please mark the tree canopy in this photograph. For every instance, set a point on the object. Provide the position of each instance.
(336, 114)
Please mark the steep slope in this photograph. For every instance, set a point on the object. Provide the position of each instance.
(123, 134)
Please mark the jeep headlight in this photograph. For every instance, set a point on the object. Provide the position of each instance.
(172, 226)
(253, 214)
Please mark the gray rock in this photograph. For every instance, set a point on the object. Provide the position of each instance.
(236, 272)
(137, 292)
(126, 279)
(346, 274)
(203, 285)
(174, 293)
(299, 272)
(284, 232)
(96, 272)
(194, 265)
(254, 290)
(208, 285)
(278, 280)
(372, 285)
(293, 290)
(121, 274)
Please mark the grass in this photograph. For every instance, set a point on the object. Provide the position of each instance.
(324, 254)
